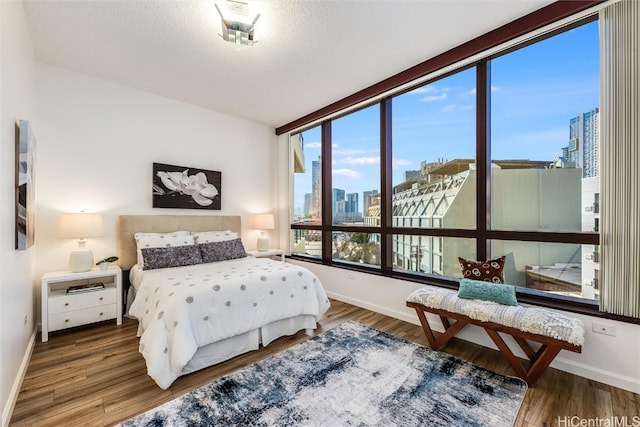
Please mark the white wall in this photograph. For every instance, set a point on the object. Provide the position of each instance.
(17, 101)
(97, 141)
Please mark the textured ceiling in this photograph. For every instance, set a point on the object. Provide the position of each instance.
(309, 53)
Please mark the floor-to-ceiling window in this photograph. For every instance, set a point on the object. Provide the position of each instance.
(496, 158)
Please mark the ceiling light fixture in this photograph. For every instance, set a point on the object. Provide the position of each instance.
(238, 32)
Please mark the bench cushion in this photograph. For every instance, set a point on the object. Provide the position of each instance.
(534, 320)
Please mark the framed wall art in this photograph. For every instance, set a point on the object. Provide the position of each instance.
(25, 191)
(185, 187)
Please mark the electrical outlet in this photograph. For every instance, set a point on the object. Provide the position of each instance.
(601, 328)
(26, 318)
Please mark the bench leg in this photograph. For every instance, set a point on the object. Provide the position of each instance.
(539, 361)
(443, 339)
(508, 354)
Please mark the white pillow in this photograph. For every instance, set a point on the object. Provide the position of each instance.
(161, 240)
(214, 236)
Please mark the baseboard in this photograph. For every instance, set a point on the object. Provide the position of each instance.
(596, 374)
(566, 365)
(374, 307)
(15, 390)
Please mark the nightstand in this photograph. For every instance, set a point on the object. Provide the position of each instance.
(267, 254)
(62, 310)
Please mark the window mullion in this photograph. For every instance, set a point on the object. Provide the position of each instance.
(386, 211)
(326, 193)
(483, 156)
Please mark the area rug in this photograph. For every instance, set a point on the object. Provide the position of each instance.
(351, 375)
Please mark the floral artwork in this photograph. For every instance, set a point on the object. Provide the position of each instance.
(185, 188)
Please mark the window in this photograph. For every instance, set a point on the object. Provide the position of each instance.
(497, 158)
(544, 156)
(434, 154)
(544, 139)
(305, 148)
(355, 166)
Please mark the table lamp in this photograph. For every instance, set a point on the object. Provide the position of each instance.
(263, 222)
(80, 226)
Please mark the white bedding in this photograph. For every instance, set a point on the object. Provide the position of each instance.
(182, 309)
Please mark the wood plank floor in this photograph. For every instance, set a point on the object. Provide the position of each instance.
(94, 376)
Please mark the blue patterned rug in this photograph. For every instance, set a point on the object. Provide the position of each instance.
(351, 375)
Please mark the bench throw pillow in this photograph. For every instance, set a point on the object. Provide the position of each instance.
(496, 292)
(487, 271)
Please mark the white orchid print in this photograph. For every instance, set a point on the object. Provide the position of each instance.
(195, 186)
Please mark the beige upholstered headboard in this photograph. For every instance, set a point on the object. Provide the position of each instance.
(128, 225)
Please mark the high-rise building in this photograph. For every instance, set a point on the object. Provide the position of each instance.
(367, 200)
(307, 204)
(583, 150)
(337, 204)
(351, 207)
(316, 189)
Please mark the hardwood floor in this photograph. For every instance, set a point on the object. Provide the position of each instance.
(94, 376)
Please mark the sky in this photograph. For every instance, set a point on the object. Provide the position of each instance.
(535, 91)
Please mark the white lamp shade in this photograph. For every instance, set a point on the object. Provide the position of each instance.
(263, 222)
(80, 225)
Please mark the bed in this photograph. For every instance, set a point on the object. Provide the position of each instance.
(194, 314)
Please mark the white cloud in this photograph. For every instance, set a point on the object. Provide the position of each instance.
(313, 145)
(434, 97)
(424, 89)
(346, 173)
(347, 151)
(361, 160)
(398, 163)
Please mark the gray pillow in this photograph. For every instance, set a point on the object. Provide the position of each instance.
(170, 256)
(222, 251)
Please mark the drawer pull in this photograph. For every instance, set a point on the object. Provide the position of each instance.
(66, 320)
(101, 314)
(66, 304)
(101, 298)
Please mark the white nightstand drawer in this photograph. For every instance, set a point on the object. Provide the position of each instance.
(61, 310)
(71, 302)
(81, 317)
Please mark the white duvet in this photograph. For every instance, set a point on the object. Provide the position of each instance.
(181, 309)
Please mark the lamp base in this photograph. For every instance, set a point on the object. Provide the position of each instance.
(263, 243)
(81, 260)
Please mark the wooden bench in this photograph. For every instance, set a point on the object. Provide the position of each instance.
(559, 333)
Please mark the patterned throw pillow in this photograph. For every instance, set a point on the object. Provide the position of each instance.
(486, 271)
(222, 251)
(170, 256)
(160, 240)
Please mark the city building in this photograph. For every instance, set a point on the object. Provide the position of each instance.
(316, 189)
(582, 150)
